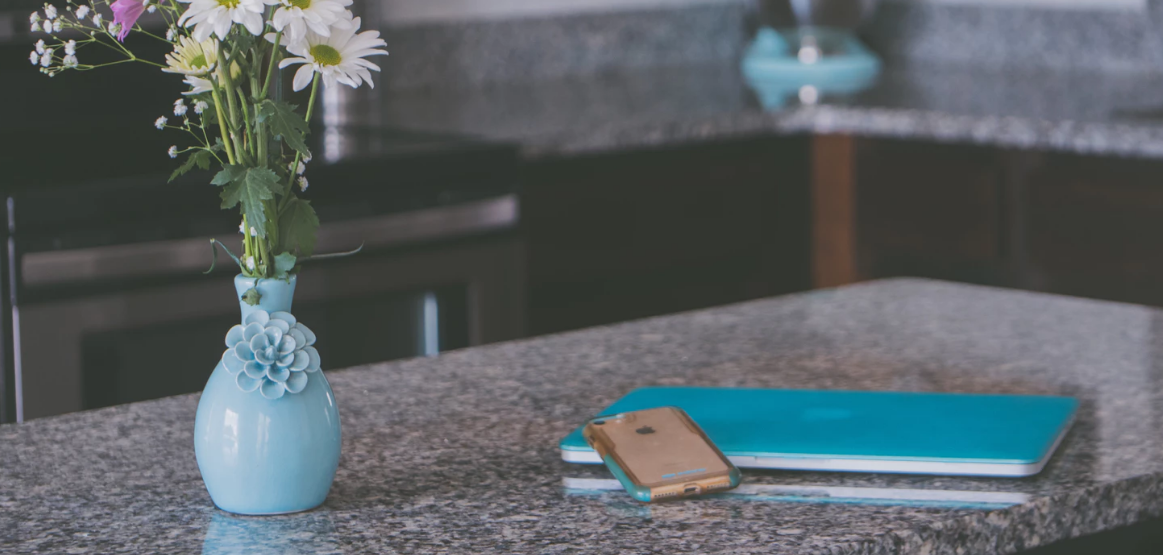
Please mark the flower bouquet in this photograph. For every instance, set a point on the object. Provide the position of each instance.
(265, 405)
(228, 52)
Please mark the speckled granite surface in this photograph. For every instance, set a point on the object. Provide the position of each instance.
(458, 453)
(1074, 111)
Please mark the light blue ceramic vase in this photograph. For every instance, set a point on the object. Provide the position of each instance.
(264, 456)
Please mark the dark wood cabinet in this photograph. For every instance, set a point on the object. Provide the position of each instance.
(1078, 225)
(622, 236)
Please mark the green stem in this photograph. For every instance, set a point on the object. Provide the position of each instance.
(224, 73)
(222, 125)
(271, 67)
(287, 194)
(246, 127)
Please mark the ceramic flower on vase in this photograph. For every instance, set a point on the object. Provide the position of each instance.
(266, 404)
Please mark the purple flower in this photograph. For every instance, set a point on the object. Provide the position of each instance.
(125, 13)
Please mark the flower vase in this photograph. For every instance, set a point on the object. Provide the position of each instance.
(267, 434)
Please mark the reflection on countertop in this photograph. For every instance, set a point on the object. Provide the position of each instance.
(458, 453)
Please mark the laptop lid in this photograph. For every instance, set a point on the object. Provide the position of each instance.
(867, 431)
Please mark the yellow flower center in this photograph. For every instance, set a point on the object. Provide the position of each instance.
(301, 4)
(198, 61)
(231, 4)
(325, 55)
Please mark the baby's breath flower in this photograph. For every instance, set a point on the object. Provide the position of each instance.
(34, 17)
(250, 262)
(307, 159)
(82, 12)
(160, 123)
(35, 27)
(40, 46)
(71, 47)
(69, 61)
(170, 34)
(46, 58)
(50, 11)
(241, 227)
(97, 19)
(253, 233)
(301, 168)
(34, 57)
(114, 27)
(180, 107)
(152, 8)
(56, 25)
(199, 106)
(173, 152)
(303, 183)
(47, 26)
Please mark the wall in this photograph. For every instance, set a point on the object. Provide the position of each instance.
(403, 12)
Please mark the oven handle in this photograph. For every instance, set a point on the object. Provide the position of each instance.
(171, 257)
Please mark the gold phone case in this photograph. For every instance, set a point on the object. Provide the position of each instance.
(660, 454)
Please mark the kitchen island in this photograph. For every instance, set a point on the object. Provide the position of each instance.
(458, 453)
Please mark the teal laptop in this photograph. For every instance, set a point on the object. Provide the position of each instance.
(863, 431)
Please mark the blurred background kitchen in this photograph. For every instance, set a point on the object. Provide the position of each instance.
(525, 167)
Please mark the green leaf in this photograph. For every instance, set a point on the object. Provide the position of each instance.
(298, 225)
(229, 174)
(252, 296)
(200, 158)
(285, 122)
(284, 263)
(249, 187)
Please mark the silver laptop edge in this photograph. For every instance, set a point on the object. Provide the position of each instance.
(1008, 470)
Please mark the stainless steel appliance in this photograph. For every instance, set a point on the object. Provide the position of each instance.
(108, 304)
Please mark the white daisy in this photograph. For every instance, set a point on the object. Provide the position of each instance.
(34, 57)
(69, 61)
(50, 11)
(191, 57)
(294, 17)
(40, 46)
(82, 12)
(197, 85)
(180, 107)
(173, 152)
(200, 106)
(71, 47)
(217, 16)
(339, 58)
(160, 122)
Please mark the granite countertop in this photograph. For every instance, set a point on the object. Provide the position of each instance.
(458, 453)
(1114, 113)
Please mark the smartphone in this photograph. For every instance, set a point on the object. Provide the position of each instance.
(660, 454)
